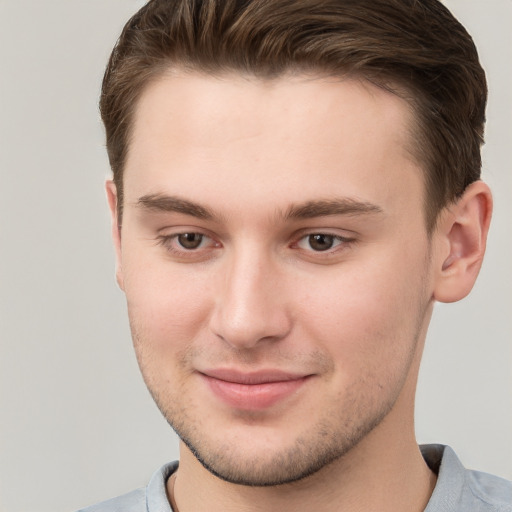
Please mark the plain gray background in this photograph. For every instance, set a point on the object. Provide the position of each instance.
(77, 424)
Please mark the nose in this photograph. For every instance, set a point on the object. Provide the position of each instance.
(250, 306)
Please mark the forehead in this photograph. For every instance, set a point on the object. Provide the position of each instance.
(191, 105)
(298, 135)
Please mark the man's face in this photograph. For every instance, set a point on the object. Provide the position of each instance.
(276, 267)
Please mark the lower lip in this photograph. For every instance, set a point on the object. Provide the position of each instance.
(253, 396)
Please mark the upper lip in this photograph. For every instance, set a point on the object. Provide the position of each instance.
(252, 377)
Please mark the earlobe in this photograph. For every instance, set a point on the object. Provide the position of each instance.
(111, 191)
(462, 235)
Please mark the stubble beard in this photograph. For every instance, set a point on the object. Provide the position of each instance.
(310, 452)
(340, 428)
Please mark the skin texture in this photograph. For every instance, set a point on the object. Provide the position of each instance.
(310, 257)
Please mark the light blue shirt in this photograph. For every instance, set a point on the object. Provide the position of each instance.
(457, 489)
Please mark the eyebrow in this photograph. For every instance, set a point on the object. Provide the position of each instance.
(173, 204)
(323, 208)
(306, 210)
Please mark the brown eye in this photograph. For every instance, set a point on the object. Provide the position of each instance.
(320, 242)
(190, 240)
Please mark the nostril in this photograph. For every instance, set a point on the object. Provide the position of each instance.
(242, 328)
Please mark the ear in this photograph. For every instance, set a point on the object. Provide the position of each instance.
(462, 234)
(116, 229)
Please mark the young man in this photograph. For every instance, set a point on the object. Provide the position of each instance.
(295, 184)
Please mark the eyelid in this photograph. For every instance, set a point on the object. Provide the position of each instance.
(169, 243)
(344, 235)
(174, 236)
(344, 242)
(336, 241)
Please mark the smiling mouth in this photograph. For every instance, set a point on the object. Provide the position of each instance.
(253, 390)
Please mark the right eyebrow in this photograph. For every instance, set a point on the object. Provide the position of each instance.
(174, 204)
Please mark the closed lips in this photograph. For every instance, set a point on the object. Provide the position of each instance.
(255, 390)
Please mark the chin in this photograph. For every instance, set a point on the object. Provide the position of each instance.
(260, 459)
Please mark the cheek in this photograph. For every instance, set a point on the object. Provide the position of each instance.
(167, 305)
(167, 312)
(369, 316)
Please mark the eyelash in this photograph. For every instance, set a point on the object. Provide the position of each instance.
(167, 242)
(340, 243)
(336, 240)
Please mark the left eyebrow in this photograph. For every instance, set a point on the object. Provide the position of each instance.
(343, 206)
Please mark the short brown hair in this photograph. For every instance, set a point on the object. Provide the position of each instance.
(415, 48)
